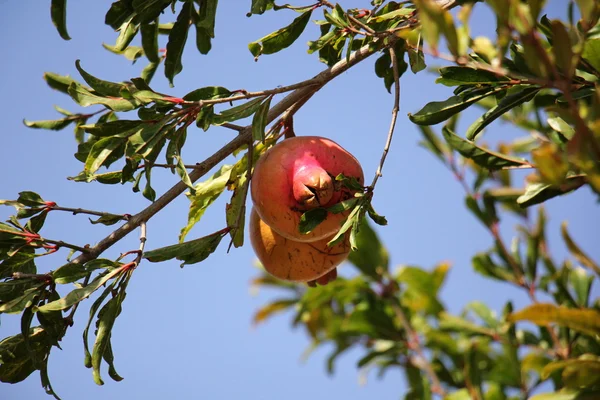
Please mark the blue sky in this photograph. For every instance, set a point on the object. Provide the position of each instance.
(186, 333)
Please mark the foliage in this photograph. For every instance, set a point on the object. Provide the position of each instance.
(538, 74)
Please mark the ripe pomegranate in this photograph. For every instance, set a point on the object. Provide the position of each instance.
(296, 175)
(295, 261)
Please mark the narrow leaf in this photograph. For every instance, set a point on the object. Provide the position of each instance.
(281, 38)
(176, 44)
(58, 12)
(585, 320)
(483, 157)
(439, 111)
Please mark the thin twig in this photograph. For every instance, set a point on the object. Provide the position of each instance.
(138, 259)
(415, 345)
(60, 243)
(75, 211)
(248, 95)
(232, 126)
(395, 110)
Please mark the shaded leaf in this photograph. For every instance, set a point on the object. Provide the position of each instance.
(177, 38)
(58, 13)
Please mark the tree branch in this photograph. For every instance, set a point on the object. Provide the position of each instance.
(245, 135)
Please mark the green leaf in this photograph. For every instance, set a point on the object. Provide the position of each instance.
(484, 312)
(55, 125)
(416, 59)
(58, 82)
(106, 321)
(73, 272)
(506, 104)
(371, 257)
(433, 143)
(207, 93)
(205, 25)
(183, 174)
(591, 53)
(344, 205)
(242, 111)
(559, 125)
(131, 53)
(149, 33)
(235, 210)
(280, 39)
(104, 88)
(457, 76)
(77, 295)
(120, 127)
(378, 219)
(401, 12)
(311, 219)
(177, 38)
(17, 360)
(562, 48)
(85, 98)
(579, 373)
(101, 151)
(582, 320)
(348, 223)
(93, 309)
(567, 395)
(149, 10)
(537, 193)
(58, 13)
(205, 194)
(30, 199)
(127, 32)
(486, 158)
(439, 111)
(260, 6)
(18, 304)
(259, 122)
(190, 252)
(458, 324)
(119, 12)
(576, 251)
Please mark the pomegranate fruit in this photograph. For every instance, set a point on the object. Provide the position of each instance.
(295, 261)
(296, 175)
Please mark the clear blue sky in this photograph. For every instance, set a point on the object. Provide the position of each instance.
(186, 333)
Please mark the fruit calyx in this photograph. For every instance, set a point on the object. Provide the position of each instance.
(312, 186)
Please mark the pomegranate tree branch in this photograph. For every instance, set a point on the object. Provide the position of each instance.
(60, 243)
(248, 95)
(395, 110)
(202, 168)
(415, 345)
(75, 211)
